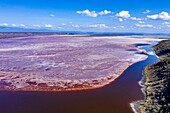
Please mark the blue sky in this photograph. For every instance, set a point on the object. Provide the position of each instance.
(87, 15)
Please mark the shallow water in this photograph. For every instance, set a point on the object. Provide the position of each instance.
(113, 98)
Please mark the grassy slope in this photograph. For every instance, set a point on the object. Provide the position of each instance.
(158, 82)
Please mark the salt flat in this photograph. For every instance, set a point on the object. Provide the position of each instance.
(59, 63)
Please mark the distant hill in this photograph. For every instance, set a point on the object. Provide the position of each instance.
(17, 29)
(31, 30)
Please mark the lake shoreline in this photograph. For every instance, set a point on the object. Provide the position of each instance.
(136, 104)
(129, 78)
(32, 88)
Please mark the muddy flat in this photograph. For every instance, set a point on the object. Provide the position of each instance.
(60, 63)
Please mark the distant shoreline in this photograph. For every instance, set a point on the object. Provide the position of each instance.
(89, 34)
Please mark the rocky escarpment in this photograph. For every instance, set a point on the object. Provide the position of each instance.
(157, 82)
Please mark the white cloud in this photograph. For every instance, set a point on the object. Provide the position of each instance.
(105, 12)
(147, 11)
(52, 15)
(37, 26)
(141, 22)
(166, 23)
(93, 13)
(98, 26)
(48, 26)
(144, 25)
(88, 13)
(75, 26)
(122, 27)
(134, 18)
(63, 24)
(18, 25)
(14, 25)
(4, 24)
(123, 14)
(21, 25)
(160, 16)
(120, 19)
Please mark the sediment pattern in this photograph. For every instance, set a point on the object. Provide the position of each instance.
(62, 63)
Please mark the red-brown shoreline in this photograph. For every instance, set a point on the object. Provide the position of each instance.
(45, 88)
